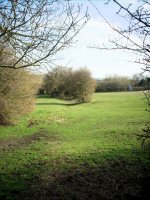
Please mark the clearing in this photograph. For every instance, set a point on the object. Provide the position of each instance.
(65, 151)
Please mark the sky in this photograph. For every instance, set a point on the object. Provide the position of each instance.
(101, 63)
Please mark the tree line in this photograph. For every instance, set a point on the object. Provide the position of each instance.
(122, 83)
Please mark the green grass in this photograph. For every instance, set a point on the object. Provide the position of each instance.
(60, 135)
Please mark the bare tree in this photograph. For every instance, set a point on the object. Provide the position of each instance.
(134, 37)
(34, 31)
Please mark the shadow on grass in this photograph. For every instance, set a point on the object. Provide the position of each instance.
(57, 104)
(41, 96)
(46, 96)
(116, 179)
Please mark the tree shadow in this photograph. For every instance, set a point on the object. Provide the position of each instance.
(41, 96)
(57, 104)
(115, 179)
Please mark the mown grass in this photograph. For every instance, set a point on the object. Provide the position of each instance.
(61, 137)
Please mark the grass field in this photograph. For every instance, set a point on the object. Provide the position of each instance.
(68, 151)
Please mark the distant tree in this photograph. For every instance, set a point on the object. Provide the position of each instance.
(56, 81)
(36, 30)
(113, 83)
(70, 84)
(83, 85)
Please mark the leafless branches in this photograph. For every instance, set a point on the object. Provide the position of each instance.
(134, 36)
(145, 135)
(137, 35)
(35, 31)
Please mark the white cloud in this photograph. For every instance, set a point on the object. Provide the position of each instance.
(100, 63)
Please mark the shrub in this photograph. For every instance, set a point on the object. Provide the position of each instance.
(16, 94)
(70, 84)
(55, 82)
(83, 85)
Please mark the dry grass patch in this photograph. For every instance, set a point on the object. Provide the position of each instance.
(15, 143)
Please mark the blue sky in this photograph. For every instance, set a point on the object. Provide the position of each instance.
(97, 32)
